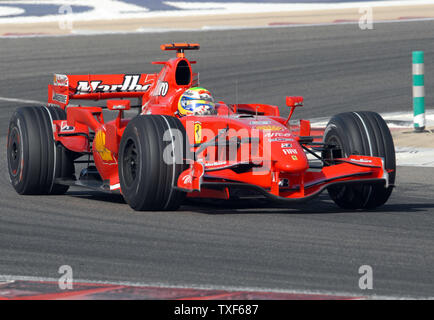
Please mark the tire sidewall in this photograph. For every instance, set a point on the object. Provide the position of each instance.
(41, 159)
(359, 133)
(130, 191)
(17, 125)
(153, 187)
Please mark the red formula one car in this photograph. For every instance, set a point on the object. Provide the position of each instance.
(164, 154)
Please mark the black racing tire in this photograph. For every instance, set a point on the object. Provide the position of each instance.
(34, 159)
(147, 180)
(362, 133)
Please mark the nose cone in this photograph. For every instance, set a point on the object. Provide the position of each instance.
(289, 157)
(292, 165)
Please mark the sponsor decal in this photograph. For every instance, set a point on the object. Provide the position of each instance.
(269, 127)
(99, 143)
(60, 97)
(276, 134)
(188, 93)
(294, 158)
(260, 122)
(118, 107)
(215, 164)
(290, 151)
(115, 186)
(187, 179)
(130, 83)
(361, 160)
(286, 145)
(60, 80)
(204, 93)
(197, 132)
(163, 88)
(201, 94)
(65, 128)
(280, 139)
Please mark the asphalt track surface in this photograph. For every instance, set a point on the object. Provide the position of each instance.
(315, 246)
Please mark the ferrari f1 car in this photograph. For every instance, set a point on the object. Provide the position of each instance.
(161, 156)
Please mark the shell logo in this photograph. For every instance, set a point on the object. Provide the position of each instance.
(99, 143)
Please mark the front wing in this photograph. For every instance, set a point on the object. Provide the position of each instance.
(201, 181)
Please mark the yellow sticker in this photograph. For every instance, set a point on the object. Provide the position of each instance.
(197, 132)
(294, 158)
(269, 127)
(105, 153)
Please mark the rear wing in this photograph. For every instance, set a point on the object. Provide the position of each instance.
(96, 87)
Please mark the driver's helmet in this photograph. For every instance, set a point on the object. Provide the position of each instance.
(196, 101)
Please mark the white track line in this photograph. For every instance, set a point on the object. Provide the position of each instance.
(414, 157)
(203, 29)
(22, 101)
(405, 156)
(405, 116)
(362, 295)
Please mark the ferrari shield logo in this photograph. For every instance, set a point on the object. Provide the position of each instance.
(197, 132)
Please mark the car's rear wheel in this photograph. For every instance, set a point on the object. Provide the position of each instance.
(362, 133)
(34, 159)
(151, 158)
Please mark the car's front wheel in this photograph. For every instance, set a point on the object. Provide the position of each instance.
(151, 158)
(362, 133)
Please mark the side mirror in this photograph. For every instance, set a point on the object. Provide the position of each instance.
(294, 101)
(118, 104)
